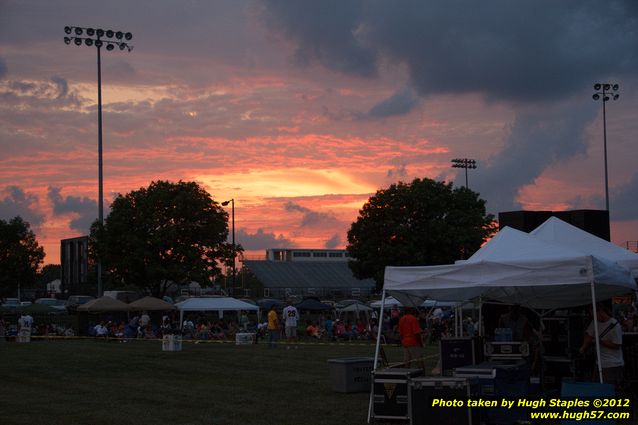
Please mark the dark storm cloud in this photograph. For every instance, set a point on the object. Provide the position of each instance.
(529, 55)
(3, 69)
(17, 202)
(325, 31)
(334, 242)
(310, 218)
(85, 208)
(400, 103)
(538, 138)
(507, 50)
(62, 85)
(622, 203)
(262, 240)
(397, 173)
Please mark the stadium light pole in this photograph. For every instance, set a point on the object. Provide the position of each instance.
(110, 39)
(232, 209)
(605, 92)
(464, 163)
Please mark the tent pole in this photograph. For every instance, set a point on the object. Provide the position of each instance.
(480, 318)
(593, 305)
(376, 353)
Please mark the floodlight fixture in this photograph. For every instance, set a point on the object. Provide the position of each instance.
(67, 40)
(68, 30)
(606, 96)
(90, 32)
(109, 33)
(88, 41)
(119, 35)
(77, 41)
(128, 36)
(110, 47)
(464, 163)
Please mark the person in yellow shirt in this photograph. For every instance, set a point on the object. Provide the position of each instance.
(273, 327)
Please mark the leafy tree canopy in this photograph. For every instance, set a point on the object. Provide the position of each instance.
(424, 222)
(168, 232)
(20, 256)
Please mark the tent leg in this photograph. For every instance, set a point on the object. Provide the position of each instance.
(593, 305)
(480, 318)
(376, 353)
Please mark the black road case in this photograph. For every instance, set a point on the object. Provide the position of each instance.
(390, 392)
(421, 392)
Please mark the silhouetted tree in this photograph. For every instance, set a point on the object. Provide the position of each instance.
(424, 222)
(168, 232)
(20, 256)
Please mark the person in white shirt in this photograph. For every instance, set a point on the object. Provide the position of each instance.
(610, 337)
(291, 316)
(101, 330)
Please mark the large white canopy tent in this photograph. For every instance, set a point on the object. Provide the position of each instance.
(517, 268)
(218, 304)
(556, 231)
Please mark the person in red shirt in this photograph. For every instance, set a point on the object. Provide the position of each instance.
(410, 332)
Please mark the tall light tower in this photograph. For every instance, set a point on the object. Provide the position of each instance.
(464, 163)
(606, 92)
(225, 203)
(110, 39)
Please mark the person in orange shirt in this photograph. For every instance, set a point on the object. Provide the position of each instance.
(410, 332)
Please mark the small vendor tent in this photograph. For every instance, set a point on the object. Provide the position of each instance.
(312, 305)
(355, 307)
(218, 304)
(104, 305)
(563, 234)
(151, 304)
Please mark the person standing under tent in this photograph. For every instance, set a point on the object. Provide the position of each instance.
(291, 315)
(610, 337)
(410, 332)
(273, 327)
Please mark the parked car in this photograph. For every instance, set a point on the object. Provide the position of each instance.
(53, 303)
(11, 303)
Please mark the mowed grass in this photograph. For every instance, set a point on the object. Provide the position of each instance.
(108, 382)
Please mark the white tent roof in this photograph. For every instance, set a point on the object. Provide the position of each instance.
(563, 234)
(513, 267)
(390, 301)
(214, 304)
(355, 307)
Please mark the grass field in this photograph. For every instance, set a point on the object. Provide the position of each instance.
(108, 382)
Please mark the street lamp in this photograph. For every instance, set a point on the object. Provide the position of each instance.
(464, 163)
(110, 39)
(605, 92)
(232, 209)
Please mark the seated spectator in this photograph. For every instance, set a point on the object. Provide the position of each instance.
(233, 328)
(339, 329)
(328, 325)
(101, 330)
(362, 329)
(188, 328)
(312, 330)
(203, 331)
(217, 332)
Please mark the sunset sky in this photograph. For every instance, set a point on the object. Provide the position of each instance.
(301, 110)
